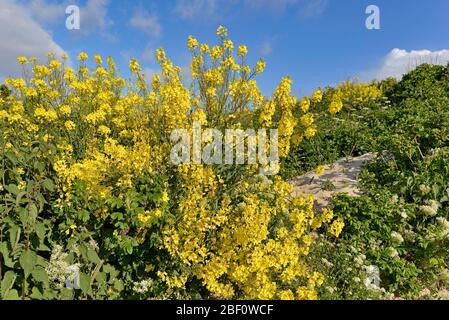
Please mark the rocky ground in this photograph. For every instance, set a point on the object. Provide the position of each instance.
(339, 177)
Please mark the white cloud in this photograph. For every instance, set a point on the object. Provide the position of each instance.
(147, 22)
(312, 8)
(45, 11)
(398, 62)
(266, 48)
(192, 9)
(21, 36)
(94, 17)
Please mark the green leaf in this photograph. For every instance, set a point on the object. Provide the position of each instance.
(93, 256)
(39, 166)
(118, 285)
(7, 283)
(19, 197)
(40, 275)
(12, 188)
(5, 253)
(36, 294)
(49, 185)
(28, 261)
(12, 295)
(101, 278)
(14, 235)
(84, 282)
(40, 230)
(33, 212)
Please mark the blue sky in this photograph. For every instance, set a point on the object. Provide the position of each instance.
(316, 42)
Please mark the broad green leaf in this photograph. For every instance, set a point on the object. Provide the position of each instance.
(49, 185)
(100, 278)
(28, 261)
(5, 253)
(39, 274)
(39, 227)
(14, 235)
(7, 282)
(19, 197)
(84, 282)
(36, 294)
(93, 256)
(12, 188)
(12, 295)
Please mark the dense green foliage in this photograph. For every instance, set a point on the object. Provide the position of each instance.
(400, 225)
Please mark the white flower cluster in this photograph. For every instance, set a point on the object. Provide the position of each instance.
(57, 268)
(443, 228)
(431, 208)
(143, 286)
(60, 272)
(397, 238)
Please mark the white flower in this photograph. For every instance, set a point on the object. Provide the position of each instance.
(431, 208)
(57, 268)
(143, 286)
(443, 294)
(424, 293)
(443, 225)
(424, 189)
(396, 237)
(392, 252)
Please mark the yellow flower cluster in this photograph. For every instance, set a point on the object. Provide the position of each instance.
(242, 236)
(353, 93)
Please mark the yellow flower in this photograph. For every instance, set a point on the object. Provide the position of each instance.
(192, 43)
(83, 56)
(228, 45)
(242, 51)
(317, 96)
(335, 106)
(22, 60)
(260, 66)
(165, 198)
(143, 217)
(304, 104)
(320, 169)
(98, 60)
(69, 125)
(217, 52)
(205, 49)
(222, 31)
(55, 65)
(22, 185)
(310, 132)
(134, 66)
(104, 130)
(336, 227)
